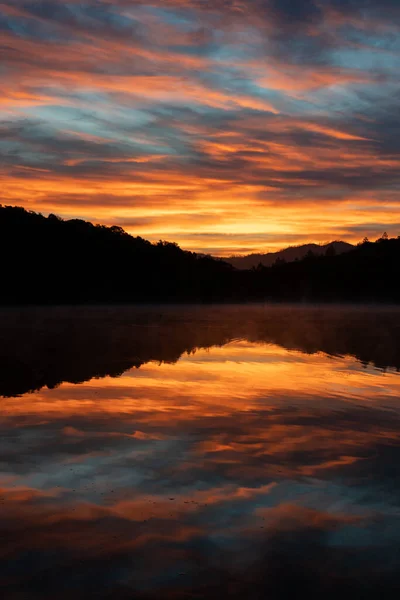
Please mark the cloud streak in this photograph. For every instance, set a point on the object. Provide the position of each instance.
(155, 114)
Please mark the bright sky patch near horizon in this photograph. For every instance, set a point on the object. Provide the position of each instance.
(226, 126)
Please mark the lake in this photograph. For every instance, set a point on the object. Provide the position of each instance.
(242, 452)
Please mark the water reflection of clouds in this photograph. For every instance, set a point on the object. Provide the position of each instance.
(243, 464)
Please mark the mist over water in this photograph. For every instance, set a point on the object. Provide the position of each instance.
(199, 452)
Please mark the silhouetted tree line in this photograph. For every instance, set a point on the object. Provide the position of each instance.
(368, 273)
(51, 261)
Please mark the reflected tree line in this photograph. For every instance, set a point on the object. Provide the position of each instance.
(46, 346)
(47, 260)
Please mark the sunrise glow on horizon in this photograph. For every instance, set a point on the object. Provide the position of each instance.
(226, 126)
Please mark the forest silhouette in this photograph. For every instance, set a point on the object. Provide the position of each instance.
(48, 260)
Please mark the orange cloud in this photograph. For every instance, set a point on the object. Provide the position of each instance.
(203, 131)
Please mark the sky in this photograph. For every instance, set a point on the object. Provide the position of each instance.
(226, 126)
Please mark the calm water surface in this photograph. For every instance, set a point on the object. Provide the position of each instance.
(237, 452)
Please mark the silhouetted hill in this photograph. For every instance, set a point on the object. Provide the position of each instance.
(368, 273)
(51, 261)
(288, 254)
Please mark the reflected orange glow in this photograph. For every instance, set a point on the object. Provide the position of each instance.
(233, 448)
(216, 381)
(237, 382)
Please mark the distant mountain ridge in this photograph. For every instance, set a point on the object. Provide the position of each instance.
(288, 254)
